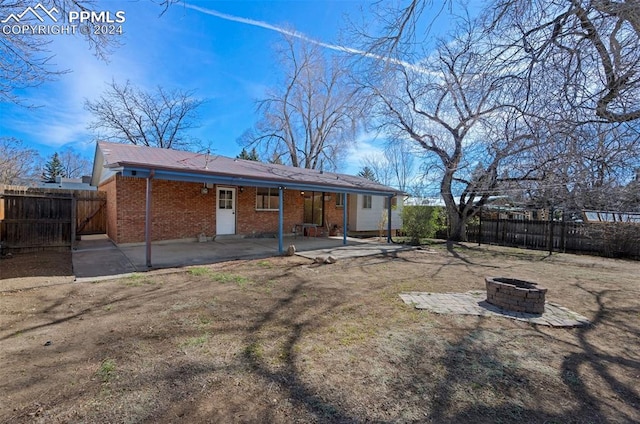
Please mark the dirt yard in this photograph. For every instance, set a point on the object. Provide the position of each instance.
(284, 340)
(37, 264)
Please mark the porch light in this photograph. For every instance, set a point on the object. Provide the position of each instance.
(204, 190)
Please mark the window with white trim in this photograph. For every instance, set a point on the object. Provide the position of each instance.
(366, 201)
(267, 199)
(340, 200)
(394, 202)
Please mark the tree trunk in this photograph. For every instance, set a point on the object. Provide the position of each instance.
(458, 227)
(457, 222)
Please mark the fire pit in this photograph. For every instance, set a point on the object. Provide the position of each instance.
(515, 295)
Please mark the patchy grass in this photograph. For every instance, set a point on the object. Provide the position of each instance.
(254, 351)
(107, 370)
(137, 280)
(195, 341)
(222, 277)
(307, 343)
(199, 271)
(264, 264)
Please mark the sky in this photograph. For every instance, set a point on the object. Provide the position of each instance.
(222, 50)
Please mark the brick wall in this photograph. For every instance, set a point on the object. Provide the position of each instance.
(131, 209)
(179, 210)
(332, 213)
(112, 223)
(253, 222)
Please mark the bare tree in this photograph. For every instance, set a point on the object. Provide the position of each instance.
(379, 168)
(74, 164)
(17, 162)
(584, 167)
(127, 114)
(630, 194)
(395, 166)
(399, 155)
(589, 49)
(309, 120)
(502, 109)
(581, 58)
(446, 104)
(26, 59)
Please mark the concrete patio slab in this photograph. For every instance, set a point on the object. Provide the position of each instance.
(354, 250)
(97, 257)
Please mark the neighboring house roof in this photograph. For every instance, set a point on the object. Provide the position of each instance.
(424, 201)
(176, 165)
(611, 216)
(66, 184)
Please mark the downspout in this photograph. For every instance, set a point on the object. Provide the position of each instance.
(280, 219)
(147, 220)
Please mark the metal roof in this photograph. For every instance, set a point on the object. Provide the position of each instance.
(176, 165)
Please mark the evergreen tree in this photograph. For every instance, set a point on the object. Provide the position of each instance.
(367, 173)
(53, 168)
(252, 155)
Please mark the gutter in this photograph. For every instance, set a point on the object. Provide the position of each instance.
(196, 177)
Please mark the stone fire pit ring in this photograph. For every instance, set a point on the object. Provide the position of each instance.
(515, 295)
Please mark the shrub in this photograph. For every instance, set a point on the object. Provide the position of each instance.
(420, 222)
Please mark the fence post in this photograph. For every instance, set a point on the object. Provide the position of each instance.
(73, 222)
(563, 233)
(551, 231)
(480, 227)
(497, 240)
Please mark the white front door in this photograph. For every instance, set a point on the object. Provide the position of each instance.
(226, 211)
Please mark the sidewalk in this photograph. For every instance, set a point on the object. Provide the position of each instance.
(98, 256)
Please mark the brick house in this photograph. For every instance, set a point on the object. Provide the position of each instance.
(158, 194)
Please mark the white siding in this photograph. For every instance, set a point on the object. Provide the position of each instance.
(361, 219)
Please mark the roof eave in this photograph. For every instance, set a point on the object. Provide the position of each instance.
(138, 171)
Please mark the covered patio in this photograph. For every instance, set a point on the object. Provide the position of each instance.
(97, 257)
(157, 188)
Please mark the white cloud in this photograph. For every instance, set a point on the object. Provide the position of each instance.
(60, 117)
(302, 36)
(367, 144)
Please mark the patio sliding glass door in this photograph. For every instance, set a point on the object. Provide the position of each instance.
(314, 208)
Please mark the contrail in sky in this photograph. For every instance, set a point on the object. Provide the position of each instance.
(301, 36)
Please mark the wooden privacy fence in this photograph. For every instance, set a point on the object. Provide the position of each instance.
(611, 239)
(39, 219)
(31, 222)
